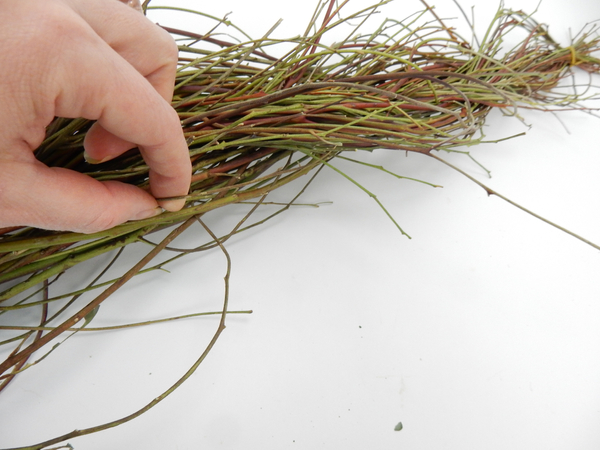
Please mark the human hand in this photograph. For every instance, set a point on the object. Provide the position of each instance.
(100, 60)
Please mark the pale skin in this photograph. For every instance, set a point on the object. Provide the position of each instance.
(100, 60)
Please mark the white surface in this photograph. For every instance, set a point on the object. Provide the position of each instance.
(482, 332)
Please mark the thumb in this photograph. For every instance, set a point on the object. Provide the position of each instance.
(55, 198)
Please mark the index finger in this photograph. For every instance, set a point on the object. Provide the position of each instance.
(146, 47)
(108, 89)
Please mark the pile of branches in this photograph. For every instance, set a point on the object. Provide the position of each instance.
(255, 122)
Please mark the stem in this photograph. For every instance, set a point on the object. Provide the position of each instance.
(165, 394)
(69, 323)
(490, 191)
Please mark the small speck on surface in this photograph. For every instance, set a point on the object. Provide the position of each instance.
(398, 427)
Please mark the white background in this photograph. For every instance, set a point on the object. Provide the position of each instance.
(480, 332)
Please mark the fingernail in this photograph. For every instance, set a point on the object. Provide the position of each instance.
(148, 213)
(90, 160)
(172, 205)
(135, 4)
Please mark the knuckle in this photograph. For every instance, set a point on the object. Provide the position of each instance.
(58, 24)
(169, 51)
(99, 220)
(98, 223)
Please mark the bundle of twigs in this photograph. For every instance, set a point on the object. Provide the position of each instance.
(254, 122)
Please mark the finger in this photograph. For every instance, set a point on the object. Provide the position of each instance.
(147, 47)
(111, 145)
(126, 105)
(61, 199)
